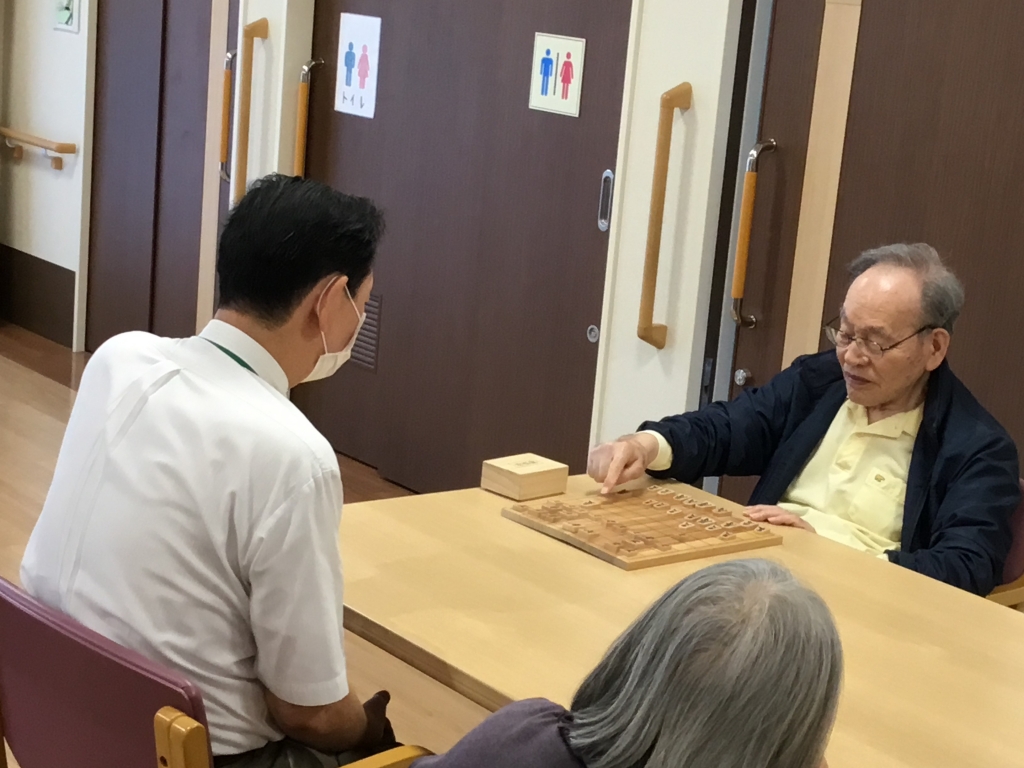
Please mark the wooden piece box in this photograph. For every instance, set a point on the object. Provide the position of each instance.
(524, 477)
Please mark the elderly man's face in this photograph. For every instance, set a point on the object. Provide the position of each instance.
(884, 305)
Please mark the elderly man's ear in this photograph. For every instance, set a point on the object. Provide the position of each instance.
(939, 348)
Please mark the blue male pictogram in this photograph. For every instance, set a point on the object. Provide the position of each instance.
(350, 63)
(547, 70)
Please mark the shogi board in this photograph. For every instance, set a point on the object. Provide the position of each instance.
(653, 525)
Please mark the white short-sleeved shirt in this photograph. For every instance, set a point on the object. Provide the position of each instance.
(193, 516)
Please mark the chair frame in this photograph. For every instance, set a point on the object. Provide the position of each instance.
(1011, 595)
(3, 743)
(181, 742)
(399, 757)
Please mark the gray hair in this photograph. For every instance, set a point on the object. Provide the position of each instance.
(942, 294)
(737, 665)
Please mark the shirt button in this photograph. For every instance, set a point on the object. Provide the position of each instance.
(879, 478)
(843, 465)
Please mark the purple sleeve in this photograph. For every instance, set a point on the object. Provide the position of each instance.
(526, 734)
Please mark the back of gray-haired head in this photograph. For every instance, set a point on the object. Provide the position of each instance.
(737, 665)
(942, 294)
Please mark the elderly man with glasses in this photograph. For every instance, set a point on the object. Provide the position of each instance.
(877, 445)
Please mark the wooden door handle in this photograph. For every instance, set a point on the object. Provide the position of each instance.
(739, 273)
(257, 29)
(302, 116)
(225, 115)
(677, 98)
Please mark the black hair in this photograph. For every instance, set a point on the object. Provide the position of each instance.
(285, 236)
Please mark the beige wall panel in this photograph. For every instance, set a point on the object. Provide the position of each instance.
(821, 177)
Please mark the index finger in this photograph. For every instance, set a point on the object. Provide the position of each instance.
(614, 471)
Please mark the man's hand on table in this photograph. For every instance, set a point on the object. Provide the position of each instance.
(626, 459)
(777, 516)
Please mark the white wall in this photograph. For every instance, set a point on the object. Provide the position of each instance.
(277, 62)
(46, 87)
(672, 41)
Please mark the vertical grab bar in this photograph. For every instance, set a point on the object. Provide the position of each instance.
(225, 116)
(676, 98)
(302, 116)
(257, 29)
(739, 274)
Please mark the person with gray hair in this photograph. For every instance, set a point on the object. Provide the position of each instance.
(736, 665)
(877, 445)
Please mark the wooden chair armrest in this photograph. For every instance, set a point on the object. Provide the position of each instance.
(399, 757)
(181, 742)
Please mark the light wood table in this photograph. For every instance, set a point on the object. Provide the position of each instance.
(934, 676)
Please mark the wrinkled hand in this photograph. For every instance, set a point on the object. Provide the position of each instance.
(613, 464)
(379, 732)
(777, 516)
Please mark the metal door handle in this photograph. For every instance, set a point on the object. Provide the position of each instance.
(604, 203)
(677, 98)
(742, 377)
(257, 29)
(225, 115)
(739, 275)
(302, 116)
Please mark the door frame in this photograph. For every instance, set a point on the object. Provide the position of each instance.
(750, 129)
(209, 229)
(811, 256)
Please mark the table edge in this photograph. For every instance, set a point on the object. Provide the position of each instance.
(424, 661)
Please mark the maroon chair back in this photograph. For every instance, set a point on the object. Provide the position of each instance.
(71, 697)
(1014, 567)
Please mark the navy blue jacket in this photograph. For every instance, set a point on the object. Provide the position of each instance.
(962, 486)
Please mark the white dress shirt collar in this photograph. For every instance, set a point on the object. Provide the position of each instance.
(249, 350)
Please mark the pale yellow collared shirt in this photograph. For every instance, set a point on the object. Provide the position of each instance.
(853, 488)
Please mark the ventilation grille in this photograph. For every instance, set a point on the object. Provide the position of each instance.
(364, 353)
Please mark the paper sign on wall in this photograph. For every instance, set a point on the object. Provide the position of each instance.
(358, 63)
(68, 12)
(557, 74)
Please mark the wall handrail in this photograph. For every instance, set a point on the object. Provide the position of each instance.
(17, 140)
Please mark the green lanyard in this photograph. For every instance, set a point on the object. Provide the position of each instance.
(232, 355)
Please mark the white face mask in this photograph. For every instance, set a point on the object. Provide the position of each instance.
(330, 362)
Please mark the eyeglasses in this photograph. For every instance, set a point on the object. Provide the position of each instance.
(872, 349)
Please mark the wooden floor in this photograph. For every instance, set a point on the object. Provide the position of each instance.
(37, 381)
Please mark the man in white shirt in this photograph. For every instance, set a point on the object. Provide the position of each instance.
(194, 511)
